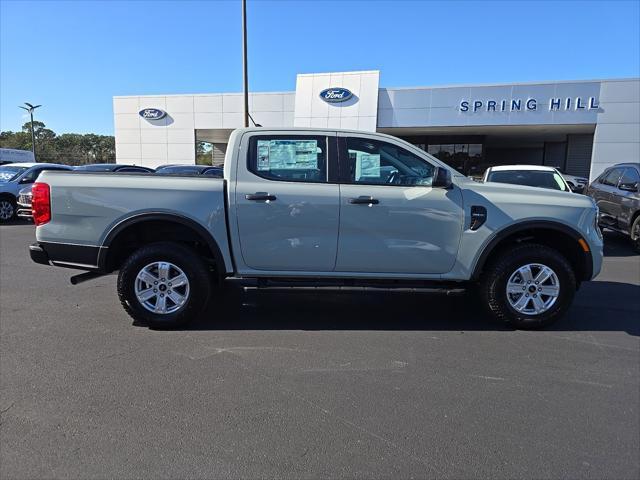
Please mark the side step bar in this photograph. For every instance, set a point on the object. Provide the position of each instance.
(443, 291)
(348, 285)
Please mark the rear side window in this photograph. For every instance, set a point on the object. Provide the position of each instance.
(290, 158)
(612, 177)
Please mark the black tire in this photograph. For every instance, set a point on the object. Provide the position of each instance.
(185, 259)
(635, 234)
(493, 285)
(6, 203)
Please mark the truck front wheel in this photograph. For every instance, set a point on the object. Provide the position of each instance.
(528, 286)
(164, 285)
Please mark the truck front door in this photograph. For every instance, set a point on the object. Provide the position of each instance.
(287, 210)
(391, 219)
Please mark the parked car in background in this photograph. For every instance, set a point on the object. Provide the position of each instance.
(113, 167)
(529, 175)
(577, 184)
(617, 194)
(178, 169)
(12, 155)
(16, 176)
(23, 203)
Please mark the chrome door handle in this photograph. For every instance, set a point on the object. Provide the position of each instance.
(260, 196)
(363, 200)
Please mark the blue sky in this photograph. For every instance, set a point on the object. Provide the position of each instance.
(73, 57)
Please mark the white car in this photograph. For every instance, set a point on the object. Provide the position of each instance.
(529, 175)
(577, 184)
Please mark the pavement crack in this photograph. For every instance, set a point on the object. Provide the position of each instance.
(5, 410)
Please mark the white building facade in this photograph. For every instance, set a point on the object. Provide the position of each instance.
(581, 127)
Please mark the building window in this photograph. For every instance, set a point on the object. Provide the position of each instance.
(465, 157)
(204, 153)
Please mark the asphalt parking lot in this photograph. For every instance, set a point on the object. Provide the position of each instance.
(314, 386)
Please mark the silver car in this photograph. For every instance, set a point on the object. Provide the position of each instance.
(16, 176)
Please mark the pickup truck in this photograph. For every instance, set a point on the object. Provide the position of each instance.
(320, 208)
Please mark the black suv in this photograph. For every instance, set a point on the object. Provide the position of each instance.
(617, 194)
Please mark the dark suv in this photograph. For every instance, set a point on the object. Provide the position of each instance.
(617, 194)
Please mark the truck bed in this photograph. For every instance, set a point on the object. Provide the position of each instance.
(87, 206)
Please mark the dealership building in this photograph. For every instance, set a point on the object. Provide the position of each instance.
(579, 126)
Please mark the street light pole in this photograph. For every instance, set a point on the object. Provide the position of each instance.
(30, 108)
(244, 63)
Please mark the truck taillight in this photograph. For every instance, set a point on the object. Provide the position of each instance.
(40, 203)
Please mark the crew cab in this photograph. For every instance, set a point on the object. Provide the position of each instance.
(323, 208)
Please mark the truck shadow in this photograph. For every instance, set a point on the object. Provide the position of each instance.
(599, 306)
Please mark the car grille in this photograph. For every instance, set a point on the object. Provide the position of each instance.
(25, 200)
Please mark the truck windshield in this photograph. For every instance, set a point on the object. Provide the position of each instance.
(8, 172)
(530, 178)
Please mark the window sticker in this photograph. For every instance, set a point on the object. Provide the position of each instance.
(288, 155)
(263, 156)
(367, 165)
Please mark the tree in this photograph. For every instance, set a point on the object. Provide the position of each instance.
(68, 148)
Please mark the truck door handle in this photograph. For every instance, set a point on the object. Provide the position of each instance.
(362, 200)
(260, 196)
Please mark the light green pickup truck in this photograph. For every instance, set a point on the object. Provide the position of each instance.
(319, 208)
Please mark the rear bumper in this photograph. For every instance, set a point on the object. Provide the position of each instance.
(82, 257)
(38, 254)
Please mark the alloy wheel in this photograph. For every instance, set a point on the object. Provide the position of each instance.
(6, 210)
(533, 289)
(162, 287)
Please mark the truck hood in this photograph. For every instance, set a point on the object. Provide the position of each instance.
(508, 194)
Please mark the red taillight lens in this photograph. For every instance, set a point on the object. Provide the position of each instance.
(40, 203)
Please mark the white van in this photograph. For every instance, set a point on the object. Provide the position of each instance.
(11, 155)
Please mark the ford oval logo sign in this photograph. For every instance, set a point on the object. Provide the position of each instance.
(335, 95)
(152, 113)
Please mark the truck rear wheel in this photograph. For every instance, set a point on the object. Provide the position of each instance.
(529, 286)
(164, 285)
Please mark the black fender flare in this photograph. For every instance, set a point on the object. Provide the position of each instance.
(169, 217)
(587, 267)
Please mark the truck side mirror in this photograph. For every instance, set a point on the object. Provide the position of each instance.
(441, 178)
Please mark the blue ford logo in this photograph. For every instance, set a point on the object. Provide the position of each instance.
(334, 95)
(152, 113)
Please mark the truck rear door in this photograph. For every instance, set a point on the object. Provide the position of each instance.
(286, 207)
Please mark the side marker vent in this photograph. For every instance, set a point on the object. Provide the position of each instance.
(478, 217)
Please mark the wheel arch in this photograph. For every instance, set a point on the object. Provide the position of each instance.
(139, 230)
(553, 234)
(8, 195)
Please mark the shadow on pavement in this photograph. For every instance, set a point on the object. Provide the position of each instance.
(17, 221)
(598, 306)
(618, 245)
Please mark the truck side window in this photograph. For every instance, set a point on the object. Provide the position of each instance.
(374, 162)
(289, 158)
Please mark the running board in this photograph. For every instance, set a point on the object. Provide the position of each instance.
(338, 288)
(348, 285)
